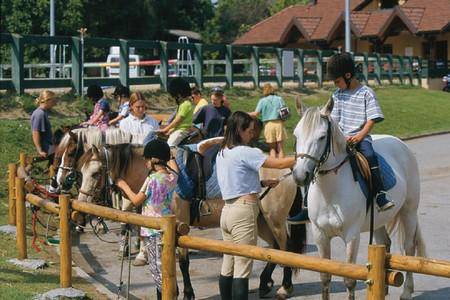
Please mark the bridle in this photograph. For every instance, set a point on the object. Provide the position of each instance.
(324, 157)
(104, 184)
(73, 174)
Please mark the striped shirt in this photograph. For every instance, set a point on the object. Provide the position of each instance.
(353, 108)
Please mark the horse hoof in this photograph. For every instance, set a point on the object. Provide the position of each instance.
(284, 293)
(189, 297)
(266, 289)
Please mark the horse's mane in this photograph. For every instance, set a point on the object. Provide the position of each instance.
(93, 136)
(121, 157)
(310, 121)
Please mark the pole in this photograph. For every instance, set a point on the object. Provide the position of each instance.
(23, 159)
(82, 31)
(21, 238)
(169, 280)
(52, 33)
(12, 170)
(64, 242)
(376, 283)
(348, 47)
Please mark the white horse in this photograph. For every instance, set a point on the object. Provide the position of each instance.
(337, 206)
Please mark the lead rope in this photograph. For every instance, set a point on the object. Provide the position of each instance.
(119, 287)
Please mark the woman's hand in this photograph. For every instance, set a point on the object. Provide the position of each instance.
(270, 182)
(42, 154)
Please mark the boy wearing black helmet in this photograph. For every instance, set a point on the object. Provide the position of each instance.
(156, 199)
(180, 126)
(356, 110)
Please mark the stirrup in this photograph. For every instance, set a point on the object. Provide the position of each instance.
(208, 212)
(300, 218)
(386, 206)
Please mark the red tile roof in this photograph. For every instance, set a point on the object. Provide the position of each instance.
(429, 15)
(321, 20)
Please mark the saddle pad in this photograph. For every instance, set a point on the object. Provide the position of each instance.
(387, 175)
(186, 185)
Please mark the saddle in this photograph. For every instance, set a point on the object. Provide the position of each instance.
(362, 173)
(196, 164)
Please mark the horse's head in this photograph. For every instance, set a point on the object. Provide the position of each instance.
(315, 140)
(99, 168)
(94, 174)
(68, 152)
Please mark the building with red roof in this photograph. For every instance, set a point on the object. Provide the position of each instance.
(402, 27)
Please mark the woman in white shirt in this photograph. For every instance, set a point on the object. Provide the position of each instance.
(238, 169)
(138, 123)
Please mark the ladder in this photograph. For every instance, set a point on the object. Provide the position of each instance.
(184, 66)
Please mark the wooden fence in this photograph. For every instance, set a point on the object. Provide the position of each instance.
(310, 65)
(381, 269)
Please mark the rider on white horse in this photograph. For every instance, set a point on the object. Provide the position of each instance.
(356, 110)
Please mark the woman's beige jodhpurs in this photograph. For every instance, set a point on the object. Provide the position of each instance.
(239, 225)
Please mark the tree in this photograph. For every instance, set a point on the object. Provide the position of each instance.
(279, 5)
(234, 17)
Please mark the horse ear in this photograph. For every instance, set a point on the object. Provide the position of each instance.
(95, 151)
(72, 135)
(300, 106)
(326, 110)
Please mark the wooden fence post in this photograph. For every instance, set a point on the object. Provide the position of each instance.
(21, 222)
(300, 67)
(23, 159)
(169, 280)
(164, 68)
(12, 170)
(124, 61)
(229, 65)
(76, 65)
(254, 54)
(64, 242)
(377, 272)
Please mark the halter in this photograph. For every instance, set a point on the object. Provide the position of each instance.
(326, 153)
(73, 174)
(106, 180)
(324, 157)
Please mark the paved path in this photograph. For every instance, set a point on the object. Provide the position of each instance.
(100, 260)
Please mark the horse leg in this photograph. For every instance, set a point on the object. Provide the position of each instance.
(183, 261)
(324, 248)
(287, 288)
(382, 238)
(409, 226)
(352, 252)
(265, 280)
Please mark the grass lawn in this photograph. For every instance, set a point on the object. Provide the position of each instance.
(409, 112)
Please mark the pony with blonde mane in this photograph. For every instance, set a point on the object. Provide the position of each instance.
(127, 162)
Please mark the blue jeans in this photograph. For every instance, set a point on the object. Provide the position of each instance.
(366, 148)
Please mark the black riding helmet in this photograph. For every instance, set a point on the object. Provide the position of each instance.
(179, 89)
(339, 65)
(157, 149)
(94, 92)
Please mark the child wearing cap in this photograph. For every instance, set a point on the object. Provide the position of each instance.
(156, 199)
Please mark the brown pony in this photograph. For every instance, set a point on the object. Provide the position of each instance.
(127, 162)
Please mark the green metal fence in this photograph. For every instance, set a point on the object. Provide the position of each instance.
(310, 65)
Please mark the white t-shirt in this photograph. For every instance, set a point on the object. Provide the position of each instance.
(137, 126)
(238, 171)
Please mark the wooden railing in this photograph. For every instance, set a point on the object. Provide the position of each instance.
(381, 269)
(309, 65)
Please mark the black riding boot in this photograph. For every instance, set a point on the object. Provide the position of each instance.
(226, 287)
(240, 289)
(378, 190)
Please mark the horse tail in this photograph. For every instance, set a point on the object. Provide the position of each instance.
(297, 237)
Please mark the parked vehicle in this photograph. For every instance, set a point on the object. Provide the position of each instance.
(114, 58)
(446, 82)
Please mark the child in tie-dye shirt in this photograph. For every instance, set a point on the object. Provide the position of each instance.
(156, 199)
